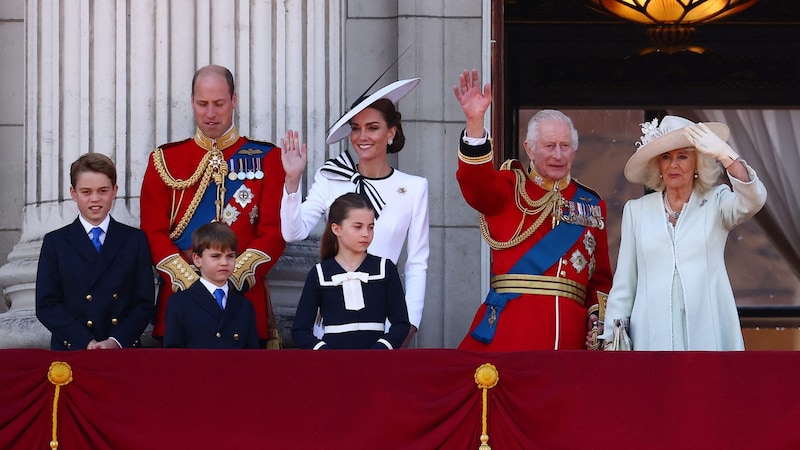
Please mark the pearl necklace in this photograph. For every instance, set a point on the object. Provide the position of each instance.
(668, 209)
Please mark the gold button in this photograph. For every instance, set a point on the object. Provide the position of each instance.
(114, 321)
(235, 336)
(88, 297)
(89, 323)
(563, 273)
(115, 296)
(219, 335)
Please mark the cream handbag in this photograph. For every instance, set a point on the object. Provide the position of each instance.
(620, 340)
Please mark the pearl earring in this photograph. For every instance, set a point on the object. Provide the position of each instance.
(696, 175)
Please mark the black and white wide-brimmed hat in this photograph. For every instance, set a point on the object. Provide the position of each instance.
(661, 138)
(393, 92)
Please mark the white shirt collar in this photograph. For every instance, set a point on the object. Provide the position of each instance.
(88, 227)
(213, 287)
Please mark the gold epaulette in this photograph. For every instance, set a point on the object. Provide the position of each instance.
(512, 164)
(245, 269)
(181, 274)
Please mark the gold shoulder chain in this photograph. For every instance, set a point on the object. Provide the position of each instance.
(201, 190)
(169, 180)
(202, 174)
(543, 206)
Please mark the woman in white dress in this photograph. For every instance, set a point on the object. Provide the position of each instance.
(400, 200)
(671, 279)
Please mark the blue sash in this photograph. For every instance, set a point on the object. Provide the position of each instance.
(535, 261)
(206, 210)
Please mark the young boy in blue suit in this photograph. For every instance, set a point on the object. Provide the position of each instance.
(95, 287)
(210, 314)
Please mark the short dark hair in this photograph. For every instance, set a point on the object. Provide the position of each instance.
(339, 210)
(217, 70)
(93, 162)
(214, 235)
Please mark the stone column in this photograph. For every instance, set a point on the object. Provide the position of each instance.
(115, 78)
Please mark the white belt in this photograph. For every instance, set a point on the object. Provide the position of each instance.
(357, 326)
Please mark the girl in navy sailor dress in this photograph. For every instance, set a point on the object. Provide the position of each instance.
(355, 292)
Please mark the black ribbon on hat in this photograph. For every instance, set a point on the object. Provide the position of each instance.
(344, 168)
(364, 94)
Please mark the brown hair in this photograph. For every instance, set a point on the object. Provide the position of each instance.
(392, 117)
(216, 70)
(339, 210)
(214, 235)
(93, 162)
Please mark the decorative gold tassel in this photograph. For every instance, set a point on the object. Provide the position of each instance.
(486, 377)
(60, 374)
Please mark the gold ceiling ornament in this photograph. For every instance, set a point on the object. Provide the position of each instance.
(486, 377)
(671, 23)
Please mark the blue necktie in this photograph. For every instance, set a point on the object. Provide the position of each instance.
(219, 294)
(96, 232)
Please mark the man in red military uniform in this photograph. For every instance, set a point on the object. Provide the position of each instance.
(215, 176)
(547, 234)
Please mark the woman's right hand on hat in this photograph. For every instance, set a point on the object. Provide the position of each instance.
(294, 157)
(707, 142)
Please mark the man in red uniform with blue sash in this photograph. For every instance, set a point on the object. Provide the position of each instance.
(215, 176)
(547, 233)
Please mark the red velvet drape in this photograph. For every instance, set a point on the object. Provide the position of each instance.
(420, 399)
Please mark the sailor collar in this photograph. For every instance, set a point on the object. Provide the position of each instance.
(226, 140)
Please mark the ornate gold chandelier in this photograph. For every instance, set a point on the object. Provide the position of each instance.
(671, 23)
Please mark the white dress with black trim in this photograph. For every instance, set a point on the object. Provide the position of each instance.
(403, 218)
(354, 306)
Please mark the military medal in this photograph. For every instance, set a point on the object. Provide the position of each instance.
(250, 172)
(232, 170)
(259, 172)
(241, 175)
(243, 196)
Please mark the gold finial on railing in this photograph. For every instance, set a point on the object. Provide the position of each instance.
(486, 377)
(60, 374)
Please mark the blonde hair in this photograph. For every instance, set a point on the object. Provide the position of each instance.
(707, 168)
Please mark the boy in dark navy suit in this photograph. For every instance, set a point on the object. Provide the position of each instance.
(95, 286)
(210, 314)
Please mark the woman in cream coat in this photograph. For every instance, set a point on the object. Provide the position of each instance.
(671, 279)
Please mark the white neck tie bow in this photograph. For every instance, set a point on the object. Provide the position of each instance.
(351, 286)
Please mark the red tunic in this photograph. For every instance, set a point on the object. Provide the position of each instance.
(253, 215)
(532, 321)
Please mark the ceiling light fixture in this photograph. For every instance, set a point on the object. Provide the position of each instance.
(671, 23)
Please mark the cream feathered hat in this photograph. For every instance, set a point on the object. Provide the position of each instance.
(661, 138)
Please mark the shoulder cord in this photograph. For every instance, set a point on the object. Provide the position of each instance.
(204, 170)
(543, 206)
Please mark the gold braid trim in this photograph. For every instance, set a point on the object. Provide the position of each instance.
(181, 274)
(212, 164)
(245, 268)
(545, 206)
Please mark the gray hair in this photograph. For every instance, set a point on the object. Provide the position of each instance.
(545, 115)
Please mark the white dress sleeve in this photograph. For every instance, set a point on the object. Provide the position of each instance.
(415, 270)
(299, 217)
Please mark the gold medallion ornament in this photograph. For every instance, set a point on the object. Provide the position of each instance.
(60, 374)
(486, 377)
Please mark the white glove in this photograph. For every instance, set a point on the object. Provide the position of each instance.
(708, 143)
